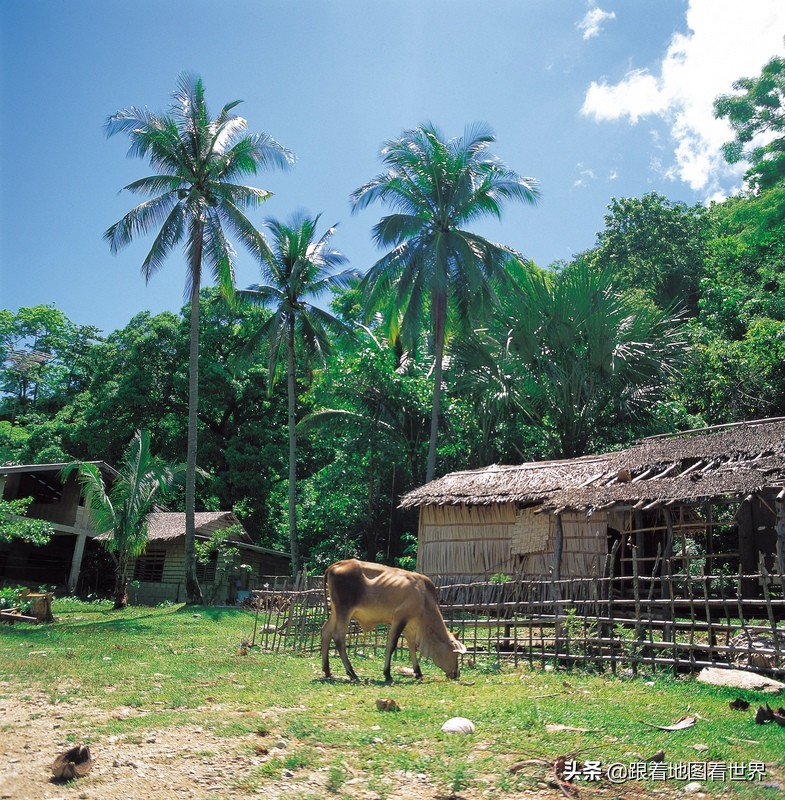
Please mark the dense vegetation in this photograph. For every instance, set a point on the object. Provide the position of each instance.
(675, 319)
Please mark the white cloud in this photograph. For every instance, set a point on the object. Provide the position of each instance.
(725, 42)
(592, 23)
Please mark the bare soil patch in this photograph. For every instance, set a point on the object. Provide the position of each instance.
(187, 761)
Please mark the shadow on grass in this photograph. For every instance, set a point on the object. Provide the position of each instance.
(213, 612)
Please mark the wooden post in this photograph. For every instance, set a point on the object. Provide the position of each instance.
(748, 551)
(557, 548)
(779, 526)
(636, 591)
(665, 575)
(611, 576)
(775, 634)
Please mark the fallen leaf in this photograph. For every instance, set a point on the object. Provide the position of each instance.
(739, 705)
(679, 725)
(557, 727)
(763, 715)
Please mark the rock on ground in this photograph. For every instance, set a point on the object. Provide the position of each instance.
(740, 679)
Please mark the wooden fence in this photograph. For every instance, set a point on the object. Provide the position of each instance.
(683, 623)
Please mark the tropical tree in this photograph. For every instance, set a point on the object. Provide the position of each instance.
(376, 424)
(123, 510)
(296, 267)
(656, 247)
(756, 112)
(579, 358)
(436, 186)
(194, 200)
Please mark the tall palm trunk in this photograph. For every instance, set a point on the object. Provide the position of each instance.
(193, 592)
(121, 581)
(292, 386)
(439, 324)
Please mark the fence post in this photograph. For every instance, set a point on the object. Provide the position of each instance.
(611, 576)
(636, 592)
(764, 575)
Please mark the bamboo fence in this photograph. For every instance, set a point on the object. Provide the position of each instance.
(672, 621)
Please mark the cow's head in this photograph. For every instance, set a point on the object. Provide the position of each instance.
(445, 655)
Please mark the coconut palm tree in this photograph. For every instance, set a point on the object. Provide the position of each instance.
(296, 267)
(123, 510)
(194, 200)
(437, 186)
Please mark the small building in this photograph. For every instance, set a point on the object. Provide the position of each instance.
(709, 499)
(58, 563)
(75, 561)
(158, 574)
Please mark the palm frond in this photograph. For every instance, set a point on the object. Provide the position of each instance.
(218, 254)
(140, 220)
(170, 234)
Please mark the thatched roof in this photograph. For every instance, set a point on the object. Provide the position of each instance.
(166, 526)
(687, 467)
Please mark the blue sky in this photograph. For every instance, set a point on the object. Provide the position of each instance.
(593, 99)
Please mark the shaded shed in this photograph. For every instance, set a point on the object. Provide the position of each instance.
(712, 496)
(160, 569)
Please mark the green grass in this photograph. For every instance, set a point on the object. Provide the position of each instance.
(180, 666)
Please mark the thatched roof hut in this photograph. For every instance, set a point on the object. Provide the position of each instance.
(477, 522)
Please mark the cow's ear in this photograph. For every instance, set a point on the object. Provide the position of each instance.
(458, 646)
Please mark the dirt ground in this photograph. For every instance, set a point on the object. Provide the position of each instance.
(194, 762)
(184, 762)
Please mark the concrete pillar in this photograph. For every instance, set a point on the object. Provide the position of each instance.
(76, 561)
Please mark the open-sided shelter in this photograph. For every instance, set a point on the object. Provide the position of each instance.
(60, 562)
(709, 499)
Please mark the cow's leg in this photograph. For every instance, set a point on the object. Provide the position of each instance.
(327, 637)
(396, 627)
(339, 635)
(415, 662)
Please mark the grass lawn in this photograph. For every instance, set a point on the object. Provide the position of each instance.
(177, 679)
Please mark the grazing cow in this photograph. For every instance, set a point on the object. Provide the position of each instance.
(374, 594)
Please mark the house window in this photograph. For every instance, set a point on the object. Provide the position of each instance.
(150, 566)
(205, 570)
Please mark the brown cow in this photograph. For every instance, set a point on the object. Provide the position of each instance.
(374, 594)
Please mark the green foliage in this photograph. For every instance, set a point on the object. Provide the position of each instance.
(14, 524)
(434, 266)
(655, 246)
(373, 410)
(574, 354)
(758, 107)
(44, 357)
(228, 558)
(13, 597)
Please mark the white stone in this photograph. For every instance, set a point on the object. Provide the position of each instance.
(458, 725)
(739, 679)
(693, 788)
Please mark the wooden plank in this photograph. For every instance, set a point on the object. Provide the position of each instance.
(10, 616)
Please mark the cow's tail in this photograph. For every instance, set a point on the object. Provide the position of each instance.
(326, 597)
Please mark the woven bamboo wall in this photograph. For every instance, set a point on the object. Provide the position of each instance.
(584, 547)
(485, 540)
(464, 540)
